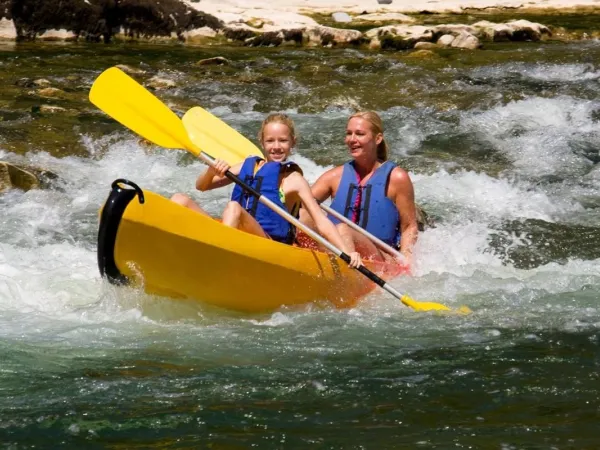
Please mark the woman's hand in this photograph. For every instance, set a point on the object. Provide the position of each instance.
(355, 260)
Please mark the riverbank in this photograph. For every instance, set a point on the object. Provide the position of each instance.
(398, 25)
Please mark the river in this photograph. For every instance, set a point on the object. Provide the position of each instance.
(502, 146)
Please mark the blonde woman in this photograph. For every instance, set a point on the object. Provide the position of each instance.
(371, 191)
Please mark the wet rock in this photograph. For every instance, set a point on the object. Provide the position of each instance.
(42, 82)
(15, 176)
(159, 83)
(422, 54)
(25, 82)
(50, 109)
(130, 70)
(216, 61)
(424, 221)
(51, 92)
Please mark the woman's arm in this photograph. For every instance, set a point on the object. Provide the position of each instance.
(295, 183)
(214, 176)
(405, 203)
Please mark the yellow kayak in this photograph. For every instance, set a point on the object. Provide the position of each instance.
(149, 241)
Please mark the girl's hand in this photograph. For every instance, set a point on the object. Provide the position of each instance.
(220, 167)
(355, 260)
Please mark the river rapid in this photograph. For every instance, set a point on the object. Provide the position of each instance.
(502, 146)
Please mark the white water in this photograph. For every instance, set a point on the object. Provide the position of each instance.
(50, 286)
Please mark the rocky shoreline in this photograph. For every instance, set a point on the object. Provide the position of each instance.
(360, 23)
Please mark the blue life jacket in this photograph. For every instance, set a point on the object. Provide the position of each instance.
(377, 213)
(266, 181)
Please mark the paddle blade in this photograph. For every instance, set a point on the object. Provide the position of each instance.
(215, 137)
(431, 306)
(128, 102)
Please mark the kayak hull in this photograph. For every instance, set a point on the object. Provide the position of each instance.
(146, 240)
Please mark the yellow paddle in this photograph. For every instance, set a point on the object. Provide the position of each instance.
(122, 98)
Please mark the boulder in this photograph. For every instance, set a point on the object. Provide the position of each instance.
(14, 176)
(399, 37)
(465, 40)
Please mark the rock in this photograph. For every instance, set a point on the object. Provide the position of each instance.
(51, 92)
(386, 17)
(425, 46)
(7, 27)
(384, 2)
(13, 176)
(199, 34)
(466, 40)
(216, 61)
(52, 109)
(25, 82)
(399, 37)
(524, 30)
(41, 82)
(328, 36)
(515, 30)
(423, 219)
(422, 54)
(158, 83)
(130, 70)
(255, 22)
(341, 17)
(446, 40)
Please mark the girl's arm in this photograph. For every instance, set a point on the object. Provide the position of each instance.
(295, 183)
(214, 176)
(323, 187)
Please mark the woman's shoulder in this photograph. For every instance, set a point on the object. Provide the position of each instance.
(399, 175)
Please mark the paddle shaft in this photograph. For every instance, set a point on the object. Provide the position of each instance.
(373, 238)
(314, 235)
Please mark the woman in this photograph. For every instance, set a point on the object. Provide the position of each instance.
(371, 191)
(276, 179)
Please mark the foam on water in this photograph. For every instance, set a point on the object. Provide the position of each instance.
(538, 134)
(48, 269)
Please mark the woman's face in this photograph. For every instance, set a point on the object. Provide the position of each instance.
(277, 141)
(360, 139)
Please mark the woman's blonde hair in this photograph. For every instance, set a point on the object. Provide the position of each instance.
(277, 118)
(376, 127)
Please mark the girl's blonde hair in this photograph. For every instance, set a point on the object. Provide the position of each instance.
(376, 127)
(277, 118)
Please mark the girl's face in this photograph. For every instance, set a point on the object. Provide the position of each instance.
(277, 141)
(360, 139)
